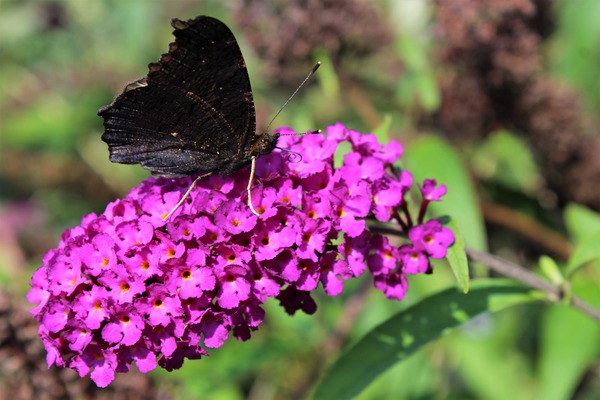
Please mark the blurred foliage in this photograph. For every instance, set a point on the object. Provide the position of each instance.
(63, 59)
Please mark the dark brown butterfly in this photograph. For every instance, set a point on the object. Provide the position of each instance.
(193, 113)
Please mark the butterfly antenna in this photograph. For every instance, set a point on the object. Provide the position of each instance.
(311, 73)
(253, 163)
(313, 132)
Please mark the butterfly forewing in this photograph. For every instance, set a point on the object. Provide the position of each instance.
(194, 111)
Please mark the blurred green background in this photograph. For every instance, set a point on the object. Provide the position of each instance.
(509, 90)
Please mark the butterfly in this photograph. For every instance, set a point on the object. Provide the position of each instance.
(194, 111)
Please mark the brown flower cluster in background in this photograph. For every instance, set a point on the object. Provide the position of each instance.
(489, 53)
(491, 57)
(345, 29)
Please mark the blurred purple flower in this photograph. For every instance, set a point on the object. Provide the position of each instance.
(432, 192)
(127, 286)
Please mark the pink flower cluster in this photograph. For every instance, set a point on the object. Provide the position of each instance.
(127, 286)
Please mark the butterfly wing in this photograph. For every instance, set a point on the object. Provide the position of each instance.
(194, 112)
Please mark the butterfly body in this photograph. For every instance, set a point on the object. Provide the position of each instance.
(193, 113)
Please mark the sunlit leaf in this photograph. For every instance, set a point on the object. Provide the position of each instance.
(581, 221)
(588, 250)
(551, 270)
(411, 329)
(458, 259)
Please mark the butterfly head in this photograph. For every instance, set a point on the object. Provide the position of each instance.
(263, 144)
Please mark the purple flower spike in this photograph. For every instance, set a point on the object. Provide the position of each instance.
(127, 286)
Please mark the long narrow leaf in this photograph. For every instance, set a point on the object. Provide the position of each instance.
(411, 329)
(458, 259)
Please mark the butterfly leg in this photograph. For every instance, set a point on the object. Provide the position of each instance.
(252, 168)
(187, 193)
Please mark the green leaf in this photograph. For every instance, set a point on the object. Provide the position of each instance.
(383, 130)
(457, 258)
(419, 84)
(412, 53)
(432, 157)
(568, 347)
(551, 270)
(327, 76)
(506, 158)
(429, 91)
(586, 251)
(487, 358)
(581, 221)
(575, 54)
(411, 329)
